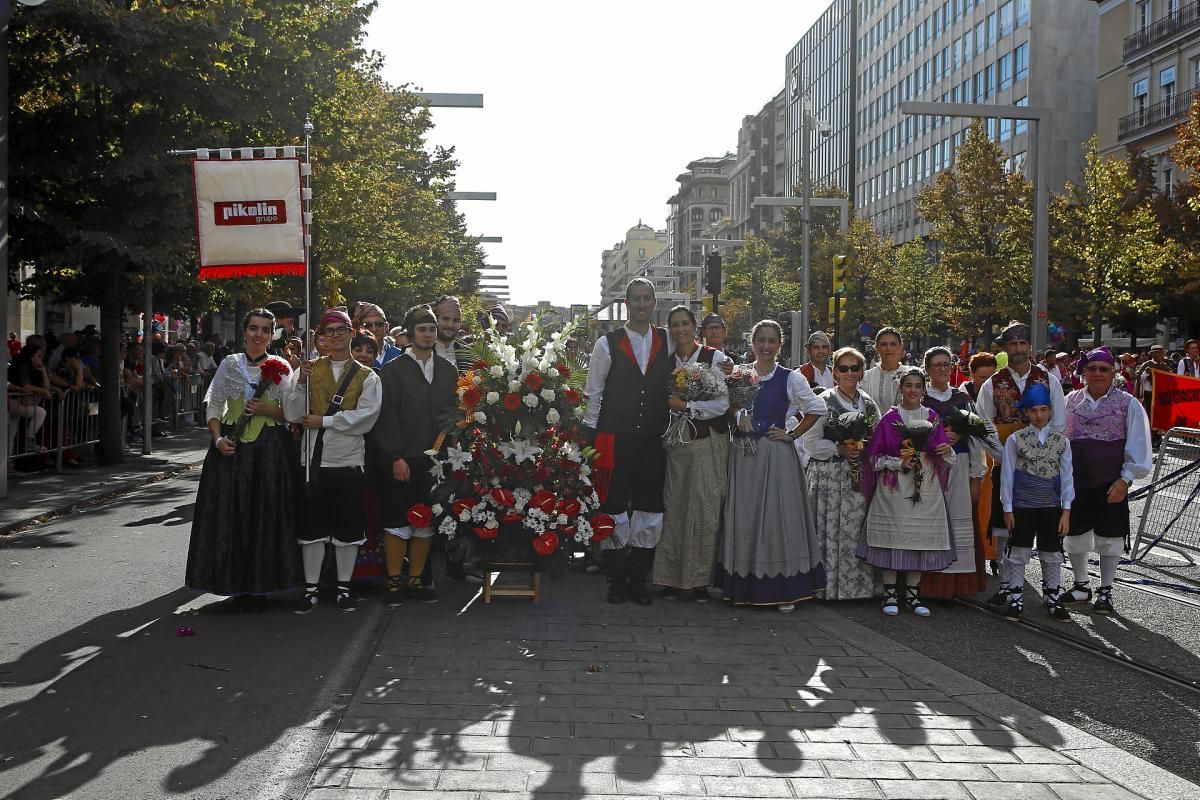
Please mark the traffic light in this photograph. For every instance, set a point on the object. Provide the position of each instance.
(841, 273)
(712, 272)
(837, 307)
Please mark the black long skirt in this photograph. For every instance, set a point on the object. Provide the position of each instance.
(244, 528)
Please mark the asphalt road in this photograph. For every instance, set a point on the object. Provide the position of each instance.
(99, 696)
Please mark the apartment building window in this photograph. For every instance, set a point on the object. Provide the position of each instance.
(991, 29)
(714, 215)
(1022, 124)
(977, 81)
(1021, 61)
(641, 252)
(1166, 87)
(1004, 70)
(1168, 181)
(1005, 129)
(1194, 68)
(1141, 91)
(1006, 19)
(990, 80)
(1143, 16)
(980, 39)
(1173, 8)
(1022, 13)
(697, 215)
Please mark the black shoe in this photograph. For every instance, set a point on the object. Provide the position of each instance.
(1104, 603)
(395, 592)
(424, 594)
(639, 594)
(700, 595)
(345, 599)
(617, 593)
(1000, 598)
(1016, 604)
(307, 601)
(1079, 593)
(1053, 600)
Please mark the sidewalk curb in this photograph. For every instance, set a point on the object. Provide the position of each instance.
(99, 498)
(1114, 764)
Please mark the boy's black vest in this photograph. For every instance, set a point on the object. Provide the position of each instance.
(633, 402)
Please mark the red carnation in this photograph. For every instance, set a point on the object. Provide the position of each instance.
(274, 370)
(569, 507)
(503, 497)
(471, 398)
(563, 370)
(420, 516)
(572, 395)
(512, 401)
(480, 364)
(543, 501)
(486, 533)
(534, 382)
(545, 544)
(603, 526)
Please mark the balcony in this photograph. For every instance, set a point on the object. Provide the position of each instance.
(1185, 19)
(1159, 115)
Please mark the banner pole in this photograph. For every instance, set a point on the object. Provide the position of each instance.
(308, 298)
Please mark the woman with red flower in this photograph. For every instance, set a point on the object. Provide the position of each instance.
(243, 534)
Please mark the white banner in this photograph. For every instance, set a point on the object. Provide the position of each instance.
(249, 217)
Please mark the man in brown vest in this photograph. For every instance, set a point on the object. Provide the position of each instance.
(337, 400)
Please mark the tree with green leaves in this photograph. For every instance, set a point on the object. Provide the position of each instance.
(916, 292)
(1107, 254)
(981, 216)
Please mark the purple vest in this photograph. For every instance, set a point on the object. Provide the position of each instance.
(771, 403)
(1097, 436)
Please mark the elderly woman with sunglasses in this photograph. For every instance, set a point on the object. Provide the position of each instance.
(838, 503)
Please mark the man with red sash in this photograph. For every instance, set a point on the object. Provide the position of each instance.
(626, 391)
(1110, 448)
(998, 401)
(816, 370)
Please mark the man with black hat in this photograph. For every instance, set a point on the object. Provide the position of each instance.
(627, 409)
(999, 399)
(816, 370)
(713, 331)
(285, 326)
(418, 388)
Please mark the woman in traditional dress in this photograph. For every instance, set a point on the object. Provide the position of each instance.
(982, 366)
(882, 381)
(907, 529)
(244, 530)
(770, 555)
(965, 576)
(694, 492)
(834, 480)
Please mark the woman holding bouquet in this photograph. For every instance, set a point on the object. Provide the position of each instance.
(904, 479)
(834, 449)
(771, 556)
(965, 576)
(244, 530)
(694, 491)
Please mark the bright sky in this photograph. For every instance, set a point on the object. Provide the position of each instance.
(590, 112)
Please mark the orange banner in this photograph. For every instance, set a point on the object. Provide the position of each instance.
(1176, 401)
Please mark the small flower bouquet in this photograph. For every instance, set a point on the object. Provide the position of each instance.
(851, 427)
(689, 382)
(742, 384)
(271, 372)
(973, 426)
(916, 436)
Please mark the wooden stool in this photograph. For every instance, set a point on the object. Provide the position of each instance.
(493, 570)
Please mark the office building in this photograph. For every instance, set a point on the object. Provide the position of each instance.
(760, 171)
(627, 258)
(698, 207)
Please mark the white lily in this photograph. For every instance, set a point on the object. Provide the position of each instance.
(458, 459)
(520, 450)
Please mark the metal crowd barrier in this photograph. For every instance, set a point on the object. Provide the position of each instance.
(184, 401)
(48, 427)
(1170, 514)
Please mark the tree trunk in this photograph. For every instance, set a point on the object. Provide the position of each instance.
(112, 444)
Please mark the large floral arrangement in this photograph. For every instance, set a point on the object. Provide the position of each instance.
(515, 478)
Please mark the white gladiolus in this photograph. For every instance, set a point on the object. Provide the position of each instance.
(493, 397)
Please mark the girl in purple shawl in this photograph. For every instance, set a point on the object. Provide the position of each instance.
(905, 477)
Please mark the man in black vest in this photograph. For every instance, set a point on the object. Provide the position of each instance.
(627, 408)
(418, 387)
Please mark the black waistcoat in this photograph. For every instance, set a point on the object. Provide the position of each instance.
(633, 402)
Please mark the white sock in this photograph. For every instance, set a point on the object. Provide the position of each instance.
(313, 556)
(1012, 569)
(1108, 569)
(1079, 565)
(1051, 570)
(347, 555)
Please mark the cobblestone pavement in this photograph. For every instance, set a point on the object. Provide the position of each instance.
(573, 698)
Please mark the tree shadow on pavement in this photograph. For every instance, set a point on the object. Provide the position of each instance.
(124, 683)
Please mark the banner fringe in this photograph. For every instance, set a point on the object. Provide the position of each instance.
(250, 270)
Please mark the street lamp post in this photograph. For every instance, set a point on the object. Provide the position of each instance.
(807, 123)
(1039, 147)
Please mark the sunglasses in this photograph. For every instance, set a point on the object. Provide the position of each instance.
(1098, 368)
(849, 367)
(376, 324)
